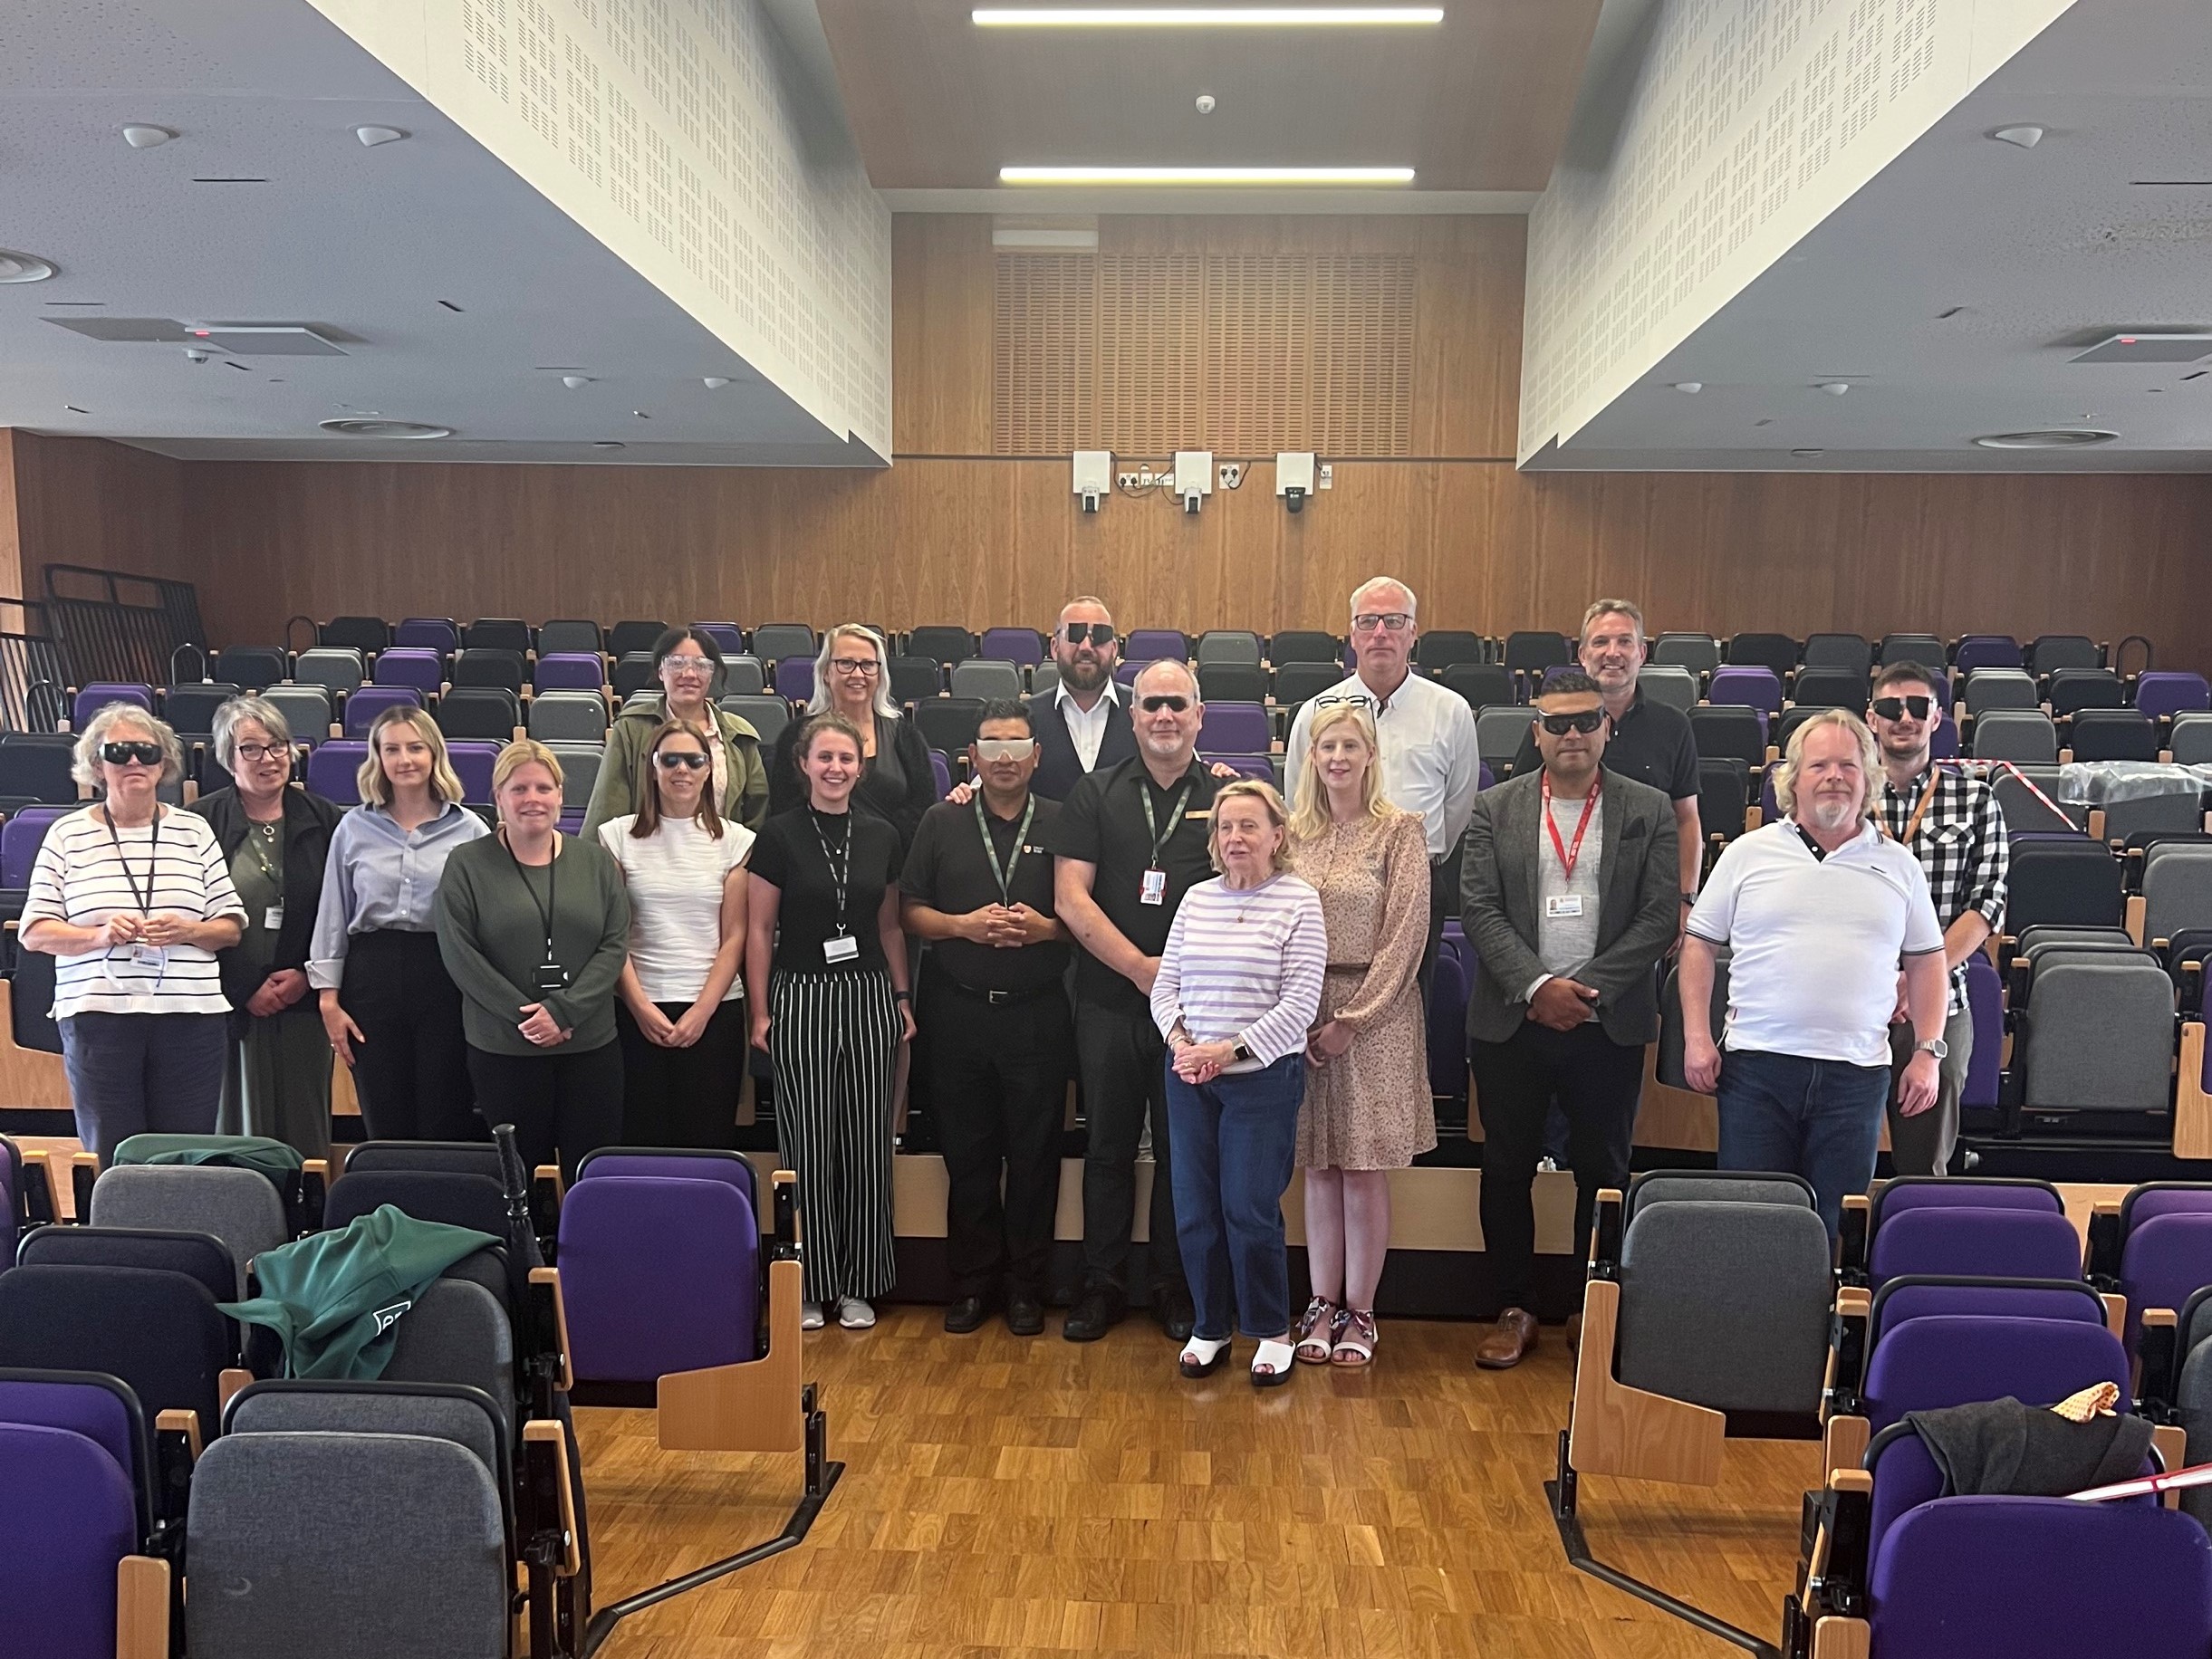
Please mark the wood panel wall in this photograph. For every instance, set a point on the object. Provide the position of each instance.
(952, 534)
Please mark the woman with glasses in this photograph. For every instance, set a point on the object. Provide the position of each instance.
(1367, 1109)
(275, 840)
(690, 669)
(390, 1010)
(135, 900)
(681, 1014)
(896, 783)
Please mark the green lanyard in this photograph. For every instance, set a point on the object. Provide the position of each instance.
(1151, 824)
(990, 848)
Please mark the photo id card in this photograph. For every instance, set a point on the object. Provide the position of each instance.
(1155, 888)
(150, 956)
(272, 919)
(844, 948)
(1561, 904)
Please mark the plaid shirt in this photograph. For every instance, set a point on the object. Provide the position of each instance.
(1961, 846)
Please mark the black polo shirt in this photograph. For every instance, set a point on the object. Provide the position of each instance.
(1101, 822)
(1651, 743)
(947, 869)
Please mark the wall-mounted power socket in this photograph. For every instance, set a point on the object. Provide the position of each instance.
(1328, 476)
(1232, 473)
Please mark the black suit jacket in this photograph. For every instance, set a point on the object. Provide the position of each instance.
(1059, 767)
(308, 823)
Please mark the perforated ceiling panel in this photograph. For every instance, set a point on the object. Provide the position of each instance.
(1244, 354)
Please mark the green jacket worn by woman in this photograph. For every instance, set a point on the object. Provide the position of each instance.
(622, 770)
(491, 933)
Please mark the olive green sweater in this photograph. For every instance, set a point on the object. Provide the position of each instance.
(491, 933)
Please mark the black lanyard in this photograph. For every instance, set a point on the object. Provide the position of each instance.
(552, 887)
(841, 872)
(153, 853)
(1151, 824)
(990, 847)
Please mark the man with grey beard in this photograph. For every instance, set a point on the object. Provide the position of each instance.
(1820, 912)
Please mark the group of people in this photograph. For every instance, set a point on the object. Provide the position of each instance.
(1239, 978)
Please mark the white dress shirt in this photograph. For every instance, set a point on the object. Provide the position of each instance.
(1087, 726)
(1429, 762)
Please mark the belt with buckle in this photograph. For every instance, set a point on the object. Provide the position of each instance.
(1001, 999)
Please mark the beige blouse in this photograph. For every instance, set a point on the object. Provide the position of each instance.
(1372, 875)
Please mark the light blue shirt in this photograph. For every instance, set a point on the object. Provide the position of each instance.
(380, 875)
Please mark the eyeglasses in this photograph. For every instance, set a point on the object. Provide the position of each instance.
(1004, 748)
(670, 760)
(855, 664)
(122, 755)
(1896, 708)
(1389, 621)
(245, 752)
(1152, 705)
(1587, 722)
(1097, 633)
(1344, 699)
(687, 665)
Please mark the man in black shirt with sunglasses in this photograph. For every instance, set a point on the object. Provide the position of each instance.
(1083, 726)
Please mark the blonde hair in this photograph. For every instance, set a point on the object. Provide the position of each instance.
(1271, 802)
(1312, 817)
(84, 761)
(524, 751)
(375, 787)
(1625, 608)
(1870, 759)
(821, 700)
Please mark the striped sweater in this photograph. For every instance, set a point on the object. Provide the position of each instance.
(1245, 963)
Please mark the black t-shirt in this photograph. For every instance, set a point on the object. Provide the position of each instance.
(1102, 822)
(1651, 743)
(790, 854)
(947, 869)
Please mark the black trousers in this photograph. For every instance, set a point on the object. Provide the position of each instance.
(1123, 1062)
(1597, 1082)
(683, 1096)
(998, 1077)
(571, 1103)
(410, 1068)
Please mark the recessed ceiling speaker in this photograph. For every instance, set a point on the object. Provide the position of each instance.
(2059, 437)
(360, 425)
(2171, 347)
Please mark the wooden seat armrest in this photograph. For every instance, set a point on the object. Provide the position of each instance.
(1858, 1225)
(546, 1438)
(550, 1174)
(233, 1381)
(141, 1608)
(549, 1277)
(179, 1421)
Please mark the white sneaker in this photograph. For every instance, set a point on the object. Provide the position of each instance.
(810, 1316)
(1547, 1166)
(854, 1314)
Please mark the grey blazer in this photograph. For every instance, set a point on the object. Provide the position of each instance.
(1640, 908)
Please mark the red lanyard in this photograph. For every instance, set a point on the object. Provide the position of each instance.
(1567, 855)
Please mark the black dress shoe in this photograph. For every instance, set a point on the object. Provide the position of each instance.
(1024, 1314)
(1097, 1312)
(1171, 1307)
(965, 1315)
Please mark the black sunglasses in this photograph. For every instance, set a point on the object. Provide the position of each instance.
(122, 755)
(669, 760)
(1587, 722)
(1896, 708)
(1097, 633)
(1153, 705)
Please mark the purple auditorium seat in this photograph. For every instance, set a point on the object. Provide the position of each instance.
(415, 666)
(102, 1412)
(20, 840)
(795, 678)
(97, 695)
(362, 706)
(940, 769)
(2159, 692)
(333, 770)
(2020, 1299)
(1944, 746)
(1753, 688)
(1960, 1358)
(570, 671)
(1253, 766)
(662, 1162)
(728, 635)
(441, 634)
(659, 1275)
(1982, 1243)
(1012, 645)
(2167, 1257)
(2039, 1578)
(1448, 1021)
(571, 822)
(1484, 778)
(1985, 1001)
(1125, 673)
(1986, 651)
(473, 762)
(68, 1515)
(1945, 1192)
(1236, 728)
(11, 1187)
(1156, 645)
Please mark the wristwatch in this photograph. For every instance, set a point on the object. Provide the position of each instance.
(1935, 1046)
(1242, 1053)
(1689, 898)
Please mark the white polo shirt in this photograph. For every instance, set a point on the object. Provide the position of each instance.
(1816, 943)
(1429, 762)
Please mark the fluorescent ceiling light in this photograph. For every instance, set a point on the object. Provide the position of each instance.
(1205, 174)
(1201, 16)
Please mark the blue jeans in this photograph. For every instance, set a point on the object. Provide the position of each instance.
(1235, 1145)
(1818, 1119)
(134, 1074)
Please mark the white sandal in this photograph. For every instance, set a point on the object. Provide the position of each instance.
(1271, 1367)
(1202, 1356)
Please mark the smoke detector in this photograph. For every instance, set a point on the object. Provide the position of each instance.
(2059, 437)
(16, 267)
(358, 426)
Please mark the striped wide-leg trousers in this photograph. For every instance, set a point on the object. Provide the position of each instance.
(833, 1038)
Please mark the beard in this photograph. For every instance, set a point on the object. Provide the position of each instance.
(1833, 813)
(1084, 675)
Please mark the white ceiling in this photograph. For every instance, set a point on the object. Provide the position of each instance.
(2045, 250)
(363, 241)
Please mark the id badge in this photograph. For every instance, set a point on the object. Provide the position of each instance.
(1155, 890)
(272, 919)
(1561, 904)
(549, 976)
(149, 956)
(844, 948)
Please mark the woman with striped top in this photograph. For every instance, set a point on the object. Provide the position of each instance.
(135, 899)
(1238, 986)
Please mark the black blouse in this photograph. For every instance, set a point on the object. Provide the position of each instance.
(896, 785)
(790, 855)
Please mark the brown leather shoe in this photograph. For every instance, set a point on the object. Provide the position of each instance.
(1508, 1342)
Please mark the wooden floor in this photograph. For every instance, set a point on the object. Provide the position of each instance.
(1010, 1497)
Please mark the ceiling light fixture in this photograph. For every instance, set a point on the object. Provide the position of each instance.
(2061, 438)
(139, 136)
(355, 426)
(1205, 174)
(714, 383)
(575, 382)
(1203, 16)
(2027, 137)
(370, 137)
(1835, 389)
(1807, 455)
(606, 442)
(16, 267)
(1692, 386)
